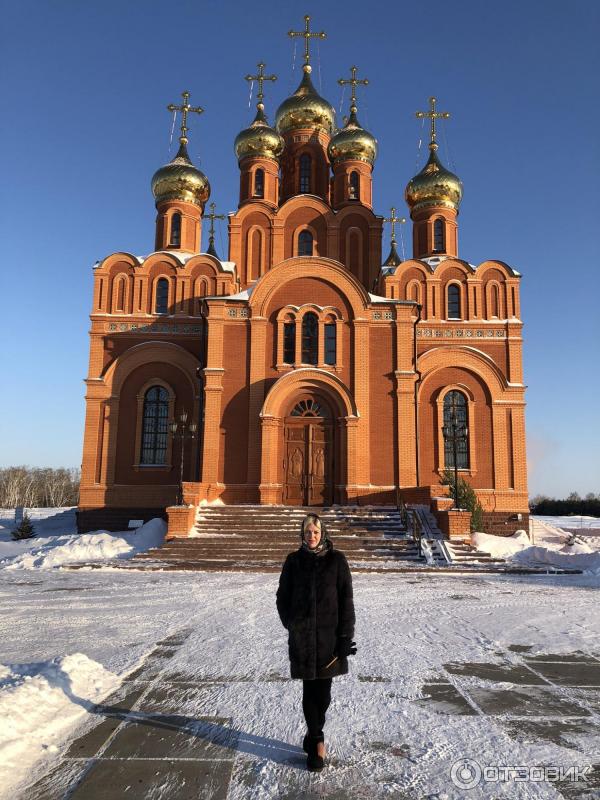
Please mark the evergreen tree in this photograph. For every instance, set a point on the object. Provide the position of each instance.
(467, 498)
(25, 529)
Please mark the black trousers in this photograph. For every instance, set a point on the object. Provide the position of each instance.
(316, 697)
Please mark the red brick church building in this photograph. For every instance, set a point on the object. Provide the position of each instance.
(314, 371)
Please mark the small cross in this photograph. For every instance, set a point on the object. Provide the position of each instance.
(261, 78)
(185, 109)
(212, 217)
(393, 219)
(308, 34)
(432, 114)
(354, 82)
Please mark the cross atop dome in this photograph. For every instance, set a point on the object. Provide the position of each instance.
(354, 82)
(185, 109)
(308, 35)
(432, 114)
(261, 78)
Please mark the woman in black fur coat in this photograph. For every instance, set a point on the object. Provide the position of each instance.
(315, 605)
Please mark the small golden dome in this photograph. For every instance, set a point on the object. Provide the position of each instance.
(352, 142)
(259, 139)
(434, 185)
(181, 180)
(305, 108)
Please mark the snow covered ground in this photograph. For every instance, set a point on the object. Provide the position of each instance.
(68, 638)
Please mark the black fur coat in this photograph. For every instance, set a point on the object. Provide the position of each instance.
(315, 604)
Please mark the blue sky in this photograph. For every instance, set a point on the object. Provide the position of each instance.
(85, 86)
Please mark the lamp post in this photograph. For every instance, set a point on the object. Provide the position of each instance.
(183, 431)
(454, 431)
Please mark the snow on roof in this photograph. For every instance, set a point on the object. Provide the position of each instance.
(245, 295)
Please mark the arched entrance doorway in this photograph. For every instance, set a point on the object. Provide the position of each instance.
(308, 453)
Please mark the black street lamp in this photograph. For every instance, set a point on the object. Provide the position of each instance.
(454, 431)
(182, 430)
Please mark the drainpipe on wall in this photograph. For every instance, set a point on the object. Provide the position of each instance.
(417, 383)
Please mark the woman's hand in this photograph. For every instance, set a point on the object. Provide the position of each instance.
(345, 647)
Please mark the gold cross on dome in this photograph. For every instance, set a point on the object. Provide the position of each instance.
(354, 82)
(212, 217)
(308, 34)
(432, 114)
(393, 219)
(185, 109)
(261, 78)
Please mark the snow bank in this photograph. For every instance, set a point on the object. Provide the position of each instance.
(40, 704)
(553, 552)
(500, 546)
(56, 551)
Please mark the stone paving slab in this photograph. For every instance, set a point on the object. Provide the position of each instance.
(500, 673)
(559, 731)
(530, 701)
(570, 674)
(445, 699)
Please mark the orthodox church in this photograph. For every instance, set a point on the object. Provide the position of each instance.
(303, 369)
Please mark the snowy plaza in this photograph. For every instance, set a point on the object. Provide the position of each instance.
(125, 682)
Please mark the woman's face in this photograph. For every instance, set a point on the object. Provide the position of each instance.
(312, 536)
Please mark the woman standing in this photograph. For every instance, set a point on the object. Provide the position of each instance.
(316, 606)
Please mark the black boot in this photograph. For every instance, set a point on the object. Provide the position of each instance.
(314, 762)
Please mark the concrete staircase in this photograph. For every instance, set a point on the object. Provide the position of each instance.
(258, 538)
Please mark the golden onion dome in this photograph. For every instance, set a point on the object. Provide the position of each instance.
(434, 185)
(352, 142)
(305, 108)
(260, 139)
(181, 180)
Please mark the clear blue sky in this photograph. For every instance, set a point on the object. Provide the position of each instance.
(85, 85)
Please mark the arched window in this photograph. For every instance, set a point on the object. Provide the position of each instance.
(439, 236)
(161, 305)
(330, 342)
(155, 426)
(259, 183)
(305, 170)
(454, 301)
(120, 298)
(305, 243)
(456, 422)
(310, 338)
(495, 309)
(354, 191)
(289, 342)
(176, 230)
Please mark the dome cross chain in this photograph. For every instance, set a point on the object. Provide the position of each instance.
(185, 109)
(354, 82)
(393, 219)
(260, 78)
(432, 114)
(212, 217)
(308, 35)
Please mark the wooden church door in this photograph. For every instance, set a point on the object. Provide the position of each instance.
(308, 457)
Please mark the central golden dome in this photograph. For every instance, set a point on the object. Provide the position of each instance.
(181, 180)
(259, 139)
(352, 142)
(305, 108)
(434, 185)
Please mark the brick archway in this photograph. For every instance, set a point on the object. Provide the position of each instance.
(281, 399)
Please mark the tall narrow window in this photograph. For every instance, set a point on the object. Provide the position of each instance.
(354, 191)
(310, 338)
(305, 170)
(289, 342)
(495, 301)
(155, 426)
(455, 411)
(259, 183)
(121, 295)
(439, 243)
(330, 343)
(161, 305)
(453, 301)
(176, 230)
(305, 243)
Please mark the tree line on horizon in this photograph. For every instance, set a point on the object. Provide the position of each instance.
(588, 506)
(39, 487)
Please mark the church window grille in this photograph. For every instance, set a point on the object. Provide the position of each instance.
(454, 301)
(162, 296)
(439, 243)
(310, 338)
(455, 404)
(176, 230)
(354, 191)
(330, 342)
(305, 173)
(155, 426)
(259, 183)
(309, 408)
(305, 243)
(289, 342)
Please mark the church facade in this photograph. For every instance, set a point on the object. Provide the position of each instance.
(310, 370)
